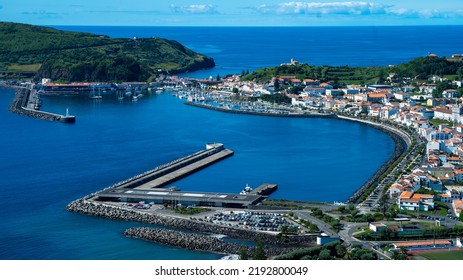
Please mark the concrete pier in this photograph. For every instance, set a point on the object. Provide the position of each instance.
(170, 172)
(147, 186)
(264, 189)
(181, 172)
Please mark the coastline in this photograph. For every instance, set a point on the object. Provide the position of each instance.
(268, 114)
(401, 140)
(402, 143)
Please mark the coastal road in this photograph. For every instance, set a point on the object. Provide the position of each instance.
(346, 234)
(326, 228)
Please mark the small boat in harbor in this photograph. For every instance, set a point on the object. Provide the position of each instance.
(247, 189)
(93, 95)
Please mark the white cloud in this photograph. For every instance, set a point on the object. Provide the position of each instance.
(352, 8)
(317, 8)
(195, 9)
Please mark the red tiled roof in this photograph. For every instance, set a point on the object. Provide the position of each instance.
(422, 243)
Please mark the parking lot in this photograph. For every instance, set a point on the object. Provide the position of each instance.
(250, 220)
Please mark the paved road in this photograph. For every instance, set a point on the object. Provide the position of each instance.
(346, 235)
(326, 228)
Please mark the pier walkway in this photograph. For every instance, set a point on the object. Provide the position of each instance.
(264, 189)
(181, 169)
(147, 186)
(172, 171)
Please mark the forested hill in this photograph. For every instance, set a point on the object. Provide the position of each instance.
(75, 56)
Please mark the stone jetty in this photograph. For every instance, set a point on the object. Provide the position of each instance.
(19, 104)
(118, 213)
(195, 241)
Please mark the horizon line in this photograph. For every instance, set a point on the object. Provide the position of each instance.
(248, 26)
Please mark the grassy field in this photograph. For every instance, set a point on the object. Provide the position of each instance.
(24, 68)
(449, 255)
(437, 122)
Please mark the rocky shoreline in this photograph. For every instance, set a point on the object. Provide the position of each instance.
(401, 141)
(195, 241)
(118, 213)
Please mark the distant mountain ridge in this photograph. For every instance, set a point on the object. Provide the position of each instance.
(77, 56)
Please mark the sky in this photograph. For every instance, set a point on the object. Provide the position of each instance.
(232, 12)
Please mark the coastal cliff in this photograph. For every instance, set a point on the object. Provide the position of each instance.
(45, 52)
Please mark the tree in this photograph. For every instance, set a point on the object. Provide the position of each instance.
(276, 85)
(351, 207)
(325, 254)
(317, 212)
(243, 253)
(383, 204)
(340, 251)
(296, 90)
(259, 252)
(368, 256)
(460, 73)
(461, 216)
(313, 228)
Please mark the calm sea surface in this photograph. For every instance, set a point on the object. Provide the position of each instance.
(45, 165)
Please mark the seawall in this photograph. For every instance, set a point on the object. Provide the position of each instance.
(197, 242)
(402, 142)
(19, 106)
(118, 213)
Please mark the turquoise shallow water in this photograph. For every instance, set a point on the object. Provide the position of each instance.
(45, 165)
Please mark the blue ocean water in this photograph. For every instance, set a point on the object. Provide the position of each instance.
(45, 165)
(235, 49)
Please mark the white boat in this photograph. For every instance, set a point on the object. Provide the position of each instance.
(247, 189)
(95, 96)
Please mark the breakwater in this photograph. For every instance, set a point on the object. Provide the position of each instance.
(118, 213)
(195, 241)
(19, 106)
(269, 114)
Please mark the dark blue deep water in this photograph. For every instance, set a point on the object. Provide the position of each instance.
(235, 49)
(45, 165)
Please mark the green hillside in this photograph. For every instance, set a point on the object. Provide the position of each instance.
(421, 68)
(77, 56)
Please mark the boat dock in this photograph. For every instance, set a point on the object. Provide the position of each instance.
(170, 172)
(147, 186)
(264, 189)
